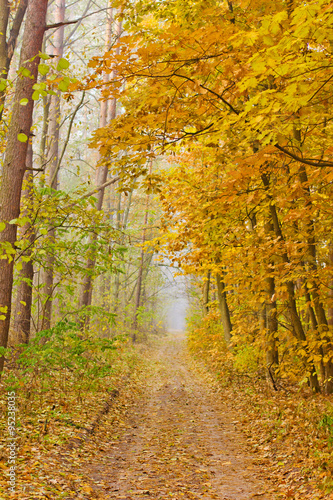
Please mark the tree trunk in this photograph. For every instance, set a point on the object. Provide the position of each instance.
(15, 155)
(22, 315)
(315, 289)
(271, 323)
(294, 317)
(272, 356)
(4, 16)
(206, 294)
(141, 267)
(330, 290)
(7, 47)
(53, 167)
(117, 276)
(224, 309)
(314, 326)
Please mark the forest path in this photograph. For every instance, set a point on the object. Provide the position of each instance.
(178, 440)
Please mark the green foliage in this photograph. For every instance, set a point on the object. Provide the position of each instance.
(326, 423)
(247, 358)
(62, 64)
(62, 357)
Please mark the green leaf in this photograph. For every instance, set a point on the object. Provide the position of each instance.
(3, 84)
(26, 72)
(35, 95)
(39, 86)
(62, 64)
(24, 102)
(63, 86)
(22, 137)
(45, 57)
(2, 226)
(43, 69)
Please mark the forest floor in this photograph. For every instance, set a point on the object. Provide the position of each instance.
(175, 430)
(178, 439)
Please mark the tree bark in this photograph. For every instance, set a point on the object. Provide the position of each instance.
(22, 315)
(15, 155)
(7, 48)
(271, 323)
(206, 294)
(141, 266)
(272, 355)
(224, 309)
(330, 291)
(4, 16)
(117, 276)
(322, 323)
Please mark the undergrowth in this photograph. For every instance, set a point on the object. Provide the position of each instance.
(61, 381)
(292, 427)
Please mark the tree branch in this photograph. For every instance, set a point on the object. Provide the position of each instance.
(98, 188)
(67, 138)
(66, 23)
(14, 32)
(314, 163)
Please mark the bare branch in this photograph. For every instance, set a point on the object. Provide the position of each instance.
(14, 32)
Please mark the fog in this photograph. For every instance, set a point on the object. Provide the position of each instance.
(176, 302)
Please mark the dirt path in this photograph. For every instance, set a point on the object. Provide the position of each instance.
(179, 440)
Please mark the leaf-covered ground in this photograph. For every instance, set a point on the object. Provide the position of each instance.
(178, 440)
(173, 432)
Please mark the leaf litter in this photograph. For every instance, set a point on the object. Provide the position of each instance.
(173, 431)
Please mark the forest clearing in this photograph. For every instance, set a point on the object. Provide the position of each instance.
(166, 249)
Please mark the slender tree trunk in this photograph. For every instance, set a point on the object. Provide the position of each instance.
(22, 315)
(141, 266)
(224, 309)
(124, 223)
(7, 46)
(315, 289)
(272, 356)
(206, 294)
(117, 276)
(330, 291)
(108, 110)
(53, 160)
(15, 155)
(292, 307)
(314, 326)
(271, 323)
(4, 16)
